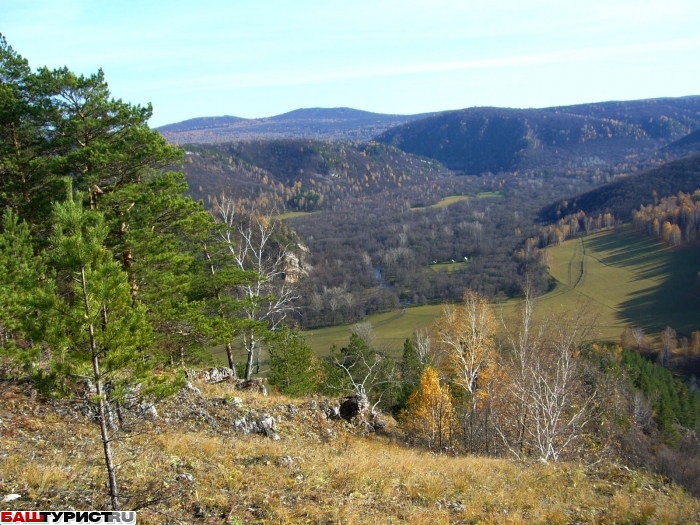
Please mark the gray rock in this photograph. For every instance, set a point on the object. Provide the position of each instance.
(148, 410)
(189, 478)
(216, 374)
(251, 425)
(191, 388)
(354, 406)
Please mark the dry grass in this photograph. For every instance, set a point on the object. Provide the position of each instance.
(54, 462)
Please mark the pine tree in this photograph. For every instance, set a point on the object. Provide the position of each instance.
(20, 274)
(293, 369)
(157, 234)
(84, 315)
(411, 371)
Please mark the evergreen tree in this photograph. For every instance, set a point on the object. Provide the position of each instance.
(20, 274)
(293, 369)
(55, 124)
(158, 233)
(411, 371)
(84, 316)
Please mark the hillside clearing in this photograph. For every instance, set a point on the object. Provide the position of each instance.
(444, 202)
(630, 279)
(293, 214)
(447, 267)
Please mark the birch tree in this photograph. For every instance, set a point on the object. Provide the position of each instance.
(267, 298)
(430, 413)
(465, 334)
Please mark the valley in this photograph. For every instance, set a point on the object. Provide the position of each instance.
(627, 278)
(330, 315)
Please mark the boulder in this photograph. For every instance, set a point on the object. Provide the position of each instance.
(355, 406)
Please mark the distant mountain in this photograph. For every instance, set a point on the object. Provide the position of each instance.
(627, 194)
(478, 140)
(201, 123)
(332, 114)
(309, 123)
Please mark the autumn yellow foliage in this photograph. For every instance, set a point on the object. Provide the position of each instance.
(466, 336)
(430, 414)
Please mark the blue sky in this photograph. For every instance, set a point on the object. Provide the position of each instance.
(259, 58)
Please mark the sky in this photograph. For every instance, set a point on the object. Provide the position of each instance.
(259, 58)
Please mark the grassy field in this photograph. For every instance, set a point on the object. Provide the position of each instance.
(629, 279)
(444, 202)
(292, 214)
(487, 194)
(392, 329)
(447, 267)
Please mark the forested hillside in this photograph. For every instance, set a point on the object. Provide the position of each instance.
(609, 136)
(307, 175)
(623, 196)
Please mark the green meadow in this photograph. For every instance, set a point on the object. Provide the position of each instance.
(447, 267)
(630, 279)
(490, 194)
(392, 329)
(627, 278)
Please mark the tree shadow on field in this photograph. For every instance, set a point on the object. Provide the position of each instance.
(674, 300)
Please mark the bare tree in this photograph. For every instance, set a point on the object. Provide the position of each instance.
(424, 347)
(370, 373)
(558, 404)
(546, 405)
(669, 343)
(269, 297)
(524, 343)
(639, 337)
(465, 335)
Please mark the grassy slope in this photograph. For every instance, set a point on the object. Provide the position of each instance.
(293, 214)
(630, 279)
(318, 472)
(392, 328)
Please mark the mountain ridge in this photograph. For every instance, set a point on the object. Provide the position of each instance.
(489, 139)
(305, 123)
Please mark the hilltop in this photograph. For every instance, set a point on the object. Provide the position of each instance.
(308, 123)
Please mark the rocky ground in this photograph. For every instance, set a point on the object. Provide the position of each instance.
(217, 454)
